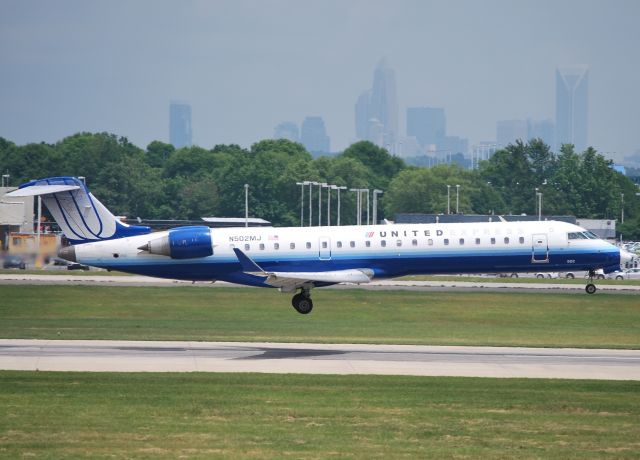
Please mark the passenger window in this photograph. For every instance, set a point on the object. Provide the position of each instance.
(506, 240)
(352, 244)
(383, 243)
(521, 240)
(477, 240)
(368, 243)
(414, 242)
(324, 245)
(446, 241)
(398, 243)
(292, 245)
(461, 241)
(339, 244)
(246, 247)
(276, 246)
(430, 242)
(493, 241)
(262, 246)
(308, 245)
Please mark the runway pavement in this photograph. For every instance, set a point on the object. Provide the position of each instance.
(128, 356)
(491, 284)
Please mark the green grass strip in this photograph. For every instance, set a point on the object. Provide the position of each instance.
(340, 316)
(85, 415)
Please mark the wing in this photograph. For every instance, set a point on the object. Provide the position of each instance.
(290, 281)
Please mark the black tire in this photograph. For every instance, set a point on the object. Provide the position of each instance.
(514, 275)
(590, 288)
(570, 276)
(302, 304)
(540, 276)
(619, 277)
(600, 277)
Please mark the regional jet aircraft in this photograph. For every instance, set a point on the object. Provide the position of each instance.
(298, 259)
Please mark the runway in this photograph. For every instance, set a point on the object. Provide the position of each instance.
(132, 356)
(490, 285)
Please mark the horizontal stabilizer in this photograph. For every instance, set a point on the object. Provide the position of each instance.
(35, 190)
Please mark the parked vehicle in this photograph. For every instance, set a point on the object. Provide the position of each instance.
(629, 274)
(571, 275)
(14, 262)
(549, 275)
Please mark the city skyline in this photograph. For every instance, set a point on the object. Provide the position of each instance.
(246, 66)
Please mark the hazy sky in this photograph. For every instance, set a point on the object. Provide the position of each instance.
(245, 66)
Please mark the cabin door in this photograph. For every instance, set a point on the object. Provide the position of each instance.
(540, 251)
(324, 247)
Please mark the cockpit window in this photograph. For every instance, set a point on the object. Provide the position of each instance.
(591, 235)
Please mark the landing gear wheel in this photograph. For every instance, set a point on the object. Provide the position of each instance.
(303, 304)
(590, 288)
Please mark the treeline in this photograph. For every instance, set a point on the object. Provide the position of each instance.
(161, 182)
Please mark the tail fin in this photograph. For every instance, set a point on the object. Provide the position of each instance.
(79, 214)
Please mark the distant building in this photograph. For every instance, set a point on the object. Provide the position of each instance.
(314, 136)
(455, 145)
(482, 151)
(376, 110)
(572, 106)
(180, 124)
(510, 131)
(287, 130)
(543, 129)
(428, 125)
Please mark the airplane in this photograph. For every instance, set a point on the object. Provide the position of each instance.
(298, 259)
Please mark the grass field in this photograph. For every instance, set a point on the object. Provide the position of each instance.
(341, 316)
(69, 415)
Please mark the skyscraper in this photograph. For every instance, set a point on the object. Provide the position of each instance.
(572, 105)
(180, 124)
(428, 125)
(287, 130)
(376, 110)
(314, 136)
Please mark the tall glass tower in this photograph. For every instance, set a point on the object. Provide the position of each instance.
(376, 110)
(572, 106)
(180, 124)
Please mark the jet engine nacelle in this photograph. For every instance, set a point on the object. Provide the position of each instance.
(182, 243)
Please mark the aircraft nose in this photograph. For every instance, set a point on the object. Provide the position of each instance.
(625, 256)
(68, 253)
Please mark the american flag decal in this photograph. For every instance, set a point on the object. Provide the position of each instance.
(368, 234)
(273, 237)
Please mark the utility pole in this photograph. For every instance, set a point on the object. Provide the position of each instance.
(246, 205)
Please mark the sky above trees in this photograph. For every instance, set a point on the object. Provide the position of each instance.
(245, 66)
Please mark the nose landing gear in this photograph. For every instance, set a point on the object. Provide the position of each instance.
(302, 302)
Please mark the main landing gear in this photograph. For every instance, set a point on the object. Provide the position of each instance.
(302, 302)
(590, 287)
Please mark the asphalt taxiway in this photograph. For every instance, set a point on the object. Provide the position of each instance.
(490, 285)
(132, 356)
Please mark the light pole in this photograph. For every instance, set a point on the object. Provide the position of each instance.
(375, 206)
(338, 188)
(358, 208)
(311, 184)
(246, 205)
(5, 180)
(320, 185)
(622, 208)
(368, 207)
(448, 199)
(457, 197)
(328, 187)
(301, 184)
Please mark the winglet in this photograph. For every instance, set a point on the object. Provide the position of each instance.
(248, 265)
